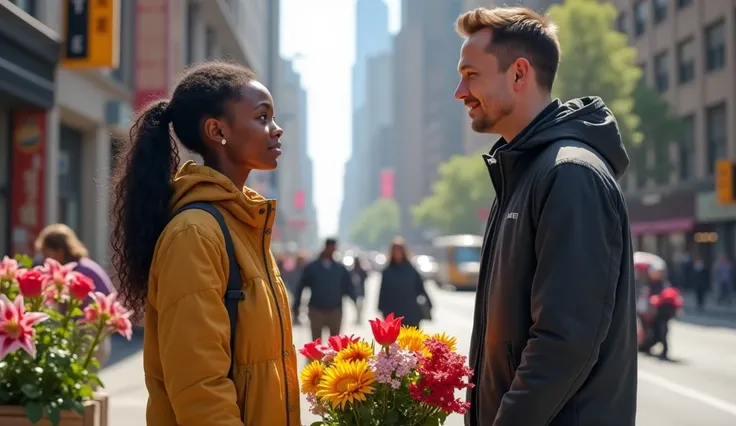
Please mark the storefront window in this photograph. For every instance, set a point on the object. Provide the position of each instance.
(70, 177)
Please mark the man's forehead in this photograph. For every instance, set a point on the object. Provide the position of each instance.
(474, 48)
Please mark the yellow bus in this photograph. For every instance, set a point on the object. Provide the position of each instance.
(458, 259)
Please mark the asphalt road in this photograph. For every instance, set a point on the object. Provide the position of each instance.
(697, 388)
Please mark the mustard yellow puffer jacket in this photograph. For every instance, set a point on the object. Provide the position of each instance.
(187, 339)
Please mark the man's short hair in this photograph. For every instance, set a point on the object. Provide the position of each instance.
(330, 242)
(517, 32)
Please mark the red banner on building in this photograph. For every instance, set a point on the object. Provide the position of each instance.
(152, 51)
(387, 184)
(300, 200)
(28, 179)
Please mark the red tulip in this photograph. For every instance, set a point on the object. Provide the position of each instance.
(31, 282)
(80, 285)
(339, 343)
(386, 332)
(315, 351)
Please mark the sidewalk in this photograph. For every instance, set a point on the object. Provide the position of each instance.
(712, 309)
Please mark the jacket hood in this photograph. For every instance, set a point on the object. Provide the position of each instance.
(586, 120)
(194, 183)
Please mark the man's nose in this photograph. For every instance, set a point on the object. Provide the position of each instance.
(462, 91)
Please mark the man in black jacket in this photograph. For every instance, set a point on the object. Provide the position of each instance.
(329, 281)
(554, 339)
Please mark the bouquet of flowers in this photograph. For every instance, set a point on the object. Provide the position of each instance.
(48, 337)
(403, 377)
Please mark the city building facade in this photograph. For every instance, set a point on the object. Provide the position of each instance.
(687, 51)
(87, 101)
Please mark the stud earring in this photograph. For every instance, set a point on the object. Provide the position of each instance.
(223, 141)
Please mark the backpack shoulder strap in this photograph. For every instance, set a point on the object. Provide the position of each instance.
(234, 292)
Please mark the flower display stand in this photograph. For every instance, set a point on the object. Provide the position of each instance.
(15, 416)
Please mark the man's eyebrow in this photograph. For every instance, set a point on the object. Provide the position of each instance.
(465, 67)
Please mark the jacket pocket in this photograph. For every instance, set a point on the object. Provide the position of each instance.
(511, 361)
(242, 382)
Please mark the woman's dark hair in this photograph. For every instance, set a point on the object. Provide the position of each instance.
(142, 182)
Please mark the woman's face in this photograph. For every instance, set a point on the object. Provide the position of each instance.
(251, 133)
(397, 254)
(57, 255)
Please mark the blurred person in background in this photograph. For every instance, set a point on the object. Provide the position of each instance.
(175, 266)
(723, 276)
(665, 302)
(60, 242)
(554, 340)
(701, 278)
(402, 288)
(358, 275)
(328, 282)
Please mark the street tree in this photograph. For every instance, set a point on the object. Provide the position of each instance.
(659, 126)
(597, 60)
(377, 224)
(463, 189)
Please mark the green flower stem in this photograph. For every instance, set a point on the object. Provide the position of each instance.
(98, 337)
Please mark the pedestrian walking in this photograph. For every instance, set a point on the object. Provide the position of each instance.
(402, 290)
(359, 276)
(329, 282)
(192, 250)
(554, 338)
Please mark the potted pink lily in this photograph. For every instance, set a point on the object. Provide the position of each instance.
(48, 341)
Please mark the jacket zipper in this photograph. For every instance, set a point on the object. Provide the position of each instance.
(278, 310)
(495, 220)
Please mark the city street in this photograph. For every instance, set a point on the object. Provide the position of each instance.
(697, 388)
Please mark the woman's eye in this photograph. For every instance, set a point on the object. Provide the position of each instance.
(263, 117)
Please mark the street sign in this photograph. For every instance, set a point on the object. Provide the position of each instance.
(725, 181)
(92, 34)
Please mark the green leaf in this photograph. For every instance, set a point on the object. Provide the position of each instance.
(30, 390)
(53, 412)
(34, 411)
(25, 260)
(320, 423)
(77, 312)
(77, 406)
(86, 391)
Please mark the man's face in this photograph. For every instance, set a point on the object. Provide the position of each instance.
(330, 249)
(486, 91)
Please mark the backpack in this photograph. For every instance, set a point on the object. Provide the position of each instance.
(234, 292)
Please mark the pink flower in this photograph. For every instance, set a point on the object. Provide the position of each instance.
(31, 282)
(314, 350)
(16, 326)
(56, 287)
(8, 268)
(80, 285)
(111, 313)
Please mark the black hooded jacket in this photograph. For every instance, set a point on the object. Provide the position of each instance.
(554, 339)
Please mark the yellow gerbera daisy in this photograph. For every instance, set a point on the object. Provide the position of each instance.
(357, 351)
(311, 376)
(346, 382)
(450, 341)
(412, 339)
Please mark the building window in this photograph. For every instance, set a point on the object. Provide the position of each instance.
(662, 71)
(28, 6)
(715, 47)
(681, 4)
(715, 129)
(686, 61)
(640, 18)
(660, 10)
(622, 23)
(686, 148)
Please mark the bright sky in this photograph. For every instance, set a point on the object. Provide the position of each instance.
(322, 32)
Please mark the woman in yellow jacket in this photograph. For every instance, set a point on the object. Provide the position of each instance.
(175, 265)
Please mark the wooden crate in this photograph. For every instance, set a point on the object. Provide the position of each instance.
(103, 400)
(15, 416)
